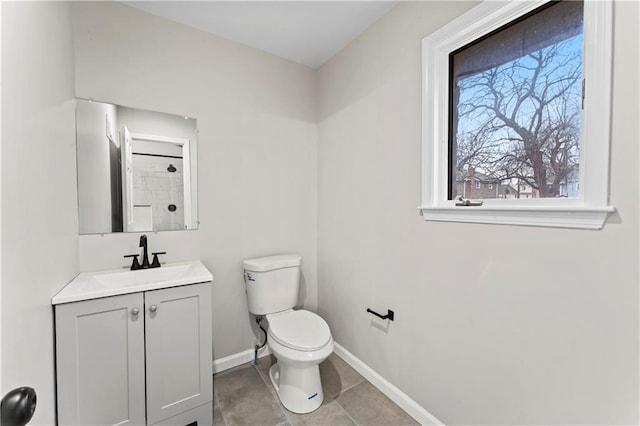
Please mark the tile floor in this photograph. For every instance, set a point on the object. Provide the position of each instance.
(244, 395)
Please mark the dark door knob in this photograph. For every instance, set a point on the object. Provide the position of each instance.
(17, 407)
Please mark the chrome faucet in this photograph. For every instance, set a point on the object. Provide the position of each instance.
(135, 265)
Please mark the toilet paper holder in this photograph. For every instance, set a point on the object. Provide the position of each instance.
(389, 315)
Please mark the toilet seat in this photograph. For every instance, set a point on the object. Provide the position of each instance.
(301, 330)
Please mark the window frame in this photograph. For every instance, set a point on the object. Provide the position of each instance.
(591, 208)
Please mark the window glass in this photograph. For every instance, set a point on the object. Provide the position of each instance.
(515, 108)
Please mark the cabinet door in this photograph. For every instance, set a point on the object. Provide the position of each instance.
(178, 343)
(100, 361)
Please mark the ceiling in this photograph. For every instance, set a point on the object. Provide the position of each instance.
(307, 32)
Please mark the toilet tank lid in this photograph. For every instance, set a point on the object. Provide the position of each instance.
(269, 263)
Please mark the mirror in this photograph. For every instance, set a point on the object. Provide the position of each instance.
(136, 169)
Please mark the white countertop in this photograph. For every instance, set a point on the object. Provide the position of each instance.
(93, 285)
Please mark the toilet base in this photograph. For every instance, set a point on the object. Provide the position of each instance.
(298, 386)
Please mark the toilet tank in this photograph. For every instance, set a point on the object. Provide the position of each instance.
(272, 283)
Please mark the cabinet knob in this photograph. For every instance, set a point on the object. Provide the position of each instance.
(153, 308)
(135, 311)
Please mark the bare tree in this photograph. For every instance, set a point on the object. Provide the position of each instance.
(522, 119)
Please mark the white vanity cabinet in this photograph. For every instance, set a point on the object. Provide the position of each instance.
(136, 359)
(178, 348)
(100, 361)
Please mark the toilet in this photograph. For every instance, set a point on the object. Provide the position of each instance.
(300, 340)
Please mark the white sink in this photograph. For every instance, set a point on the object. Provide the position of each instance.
(142, 276)
(92, 285)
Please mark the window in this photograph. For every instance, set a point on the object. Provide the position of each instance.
(478, 184)
(515, 102)
(514, 95)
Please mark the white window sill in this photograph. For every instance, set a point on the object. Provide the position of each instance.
(556, 217)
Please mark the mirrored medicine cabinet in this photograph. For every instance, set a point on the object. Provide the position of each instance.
(136, 169)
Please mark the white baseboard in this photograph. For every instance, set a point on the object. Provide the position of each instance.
(412, 408)
(222, 364)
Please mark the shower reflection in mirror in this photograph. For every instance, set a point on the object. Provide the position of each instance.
(136, 169)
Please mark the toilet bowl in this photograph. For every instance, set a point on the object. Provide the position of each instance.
(300, 341)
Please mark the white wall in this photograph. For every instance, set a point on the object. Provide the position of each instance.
(494, 324)
(1, 388)
(257, 118)
(94, 165)
(39, 219)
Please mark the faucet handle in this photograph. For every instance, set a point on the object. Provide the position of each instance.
(156, 263)
(135, 264)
